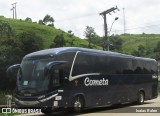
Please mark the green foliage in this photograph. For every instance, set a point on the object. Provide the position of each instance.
(140, 52)
(131, 45)
(157, 49)
(29, 42)
(3, 100)
(115, 43)
(59, 41)
(48, 19)
(89, 33)
(12, 51)
(28, 19)
(41, 22)
(5, 29)
(71, 35)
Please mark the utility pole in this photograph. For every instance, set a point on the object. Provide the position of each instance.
(14, 10)
(105, 24)
(124, 21)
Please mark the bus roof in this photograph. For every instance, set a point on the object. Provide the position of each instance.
(54, 51)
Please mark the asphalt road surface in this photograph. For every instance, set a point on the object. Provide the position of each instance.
(149, 108)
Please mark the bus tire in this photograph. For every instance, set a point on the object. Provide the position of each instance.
(78, 104)
(47, 111)
(140, 97)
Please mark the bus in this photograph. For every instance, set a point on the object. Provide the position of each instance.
(78, 78)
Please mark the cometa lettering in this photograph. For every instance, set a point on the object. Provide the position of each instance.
(89, 82)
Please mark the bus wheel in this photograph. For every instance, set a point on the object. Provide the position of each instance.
(140, 97)
(46, 110)
(78, 104)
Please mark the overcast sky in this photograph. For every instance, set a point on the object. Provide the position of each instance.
(140, 15)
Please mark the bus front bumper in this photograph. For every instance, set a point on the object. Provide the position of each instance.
(52, 104)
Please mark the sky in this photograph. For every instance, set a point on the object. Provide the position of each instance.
(140, 16)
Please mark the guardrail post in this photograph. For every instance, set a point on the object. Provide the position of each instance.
(9, 100)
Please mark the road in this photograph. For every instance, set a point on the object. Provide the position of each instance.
(149, 108)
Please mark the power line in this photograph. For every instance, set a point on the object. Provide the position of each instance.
(124, 30)
(141, 27)
(77, 17)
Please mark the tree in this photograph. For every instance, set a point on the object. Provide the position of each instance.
(12, 50)
(59, 41)
(89, 34)
(29, 42)
(41, 22)
(70, 33)
(5, 29)
(48, 20)
(71, 37)
(115, 43)
(157, 49)
(28, 19)
(140, 52)
(10, 53)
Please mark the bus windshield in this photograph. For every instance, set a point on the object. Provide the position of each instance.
(31, 78)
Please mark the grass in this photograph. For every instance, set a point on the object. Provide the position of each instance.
(47, 33)
(3, 102)
(2, 98)
(9, 114)
(131, 42)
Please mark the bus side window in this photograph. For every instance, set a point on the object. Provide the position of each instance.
(56, 78)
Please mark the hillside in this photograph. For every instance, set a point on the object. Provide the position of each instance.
(47, 33)
(132, 42)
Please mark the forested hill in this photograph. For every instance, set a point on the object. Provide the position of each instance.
(35, 36)
(143, 45)
(47, 32)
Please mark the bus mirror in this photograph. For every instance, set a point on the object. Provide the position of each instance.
(12, 68)
(50, 65)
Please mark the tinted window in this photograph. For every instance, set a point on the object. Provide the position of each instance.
(68, 56)
(99, 63)
(84, 64)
